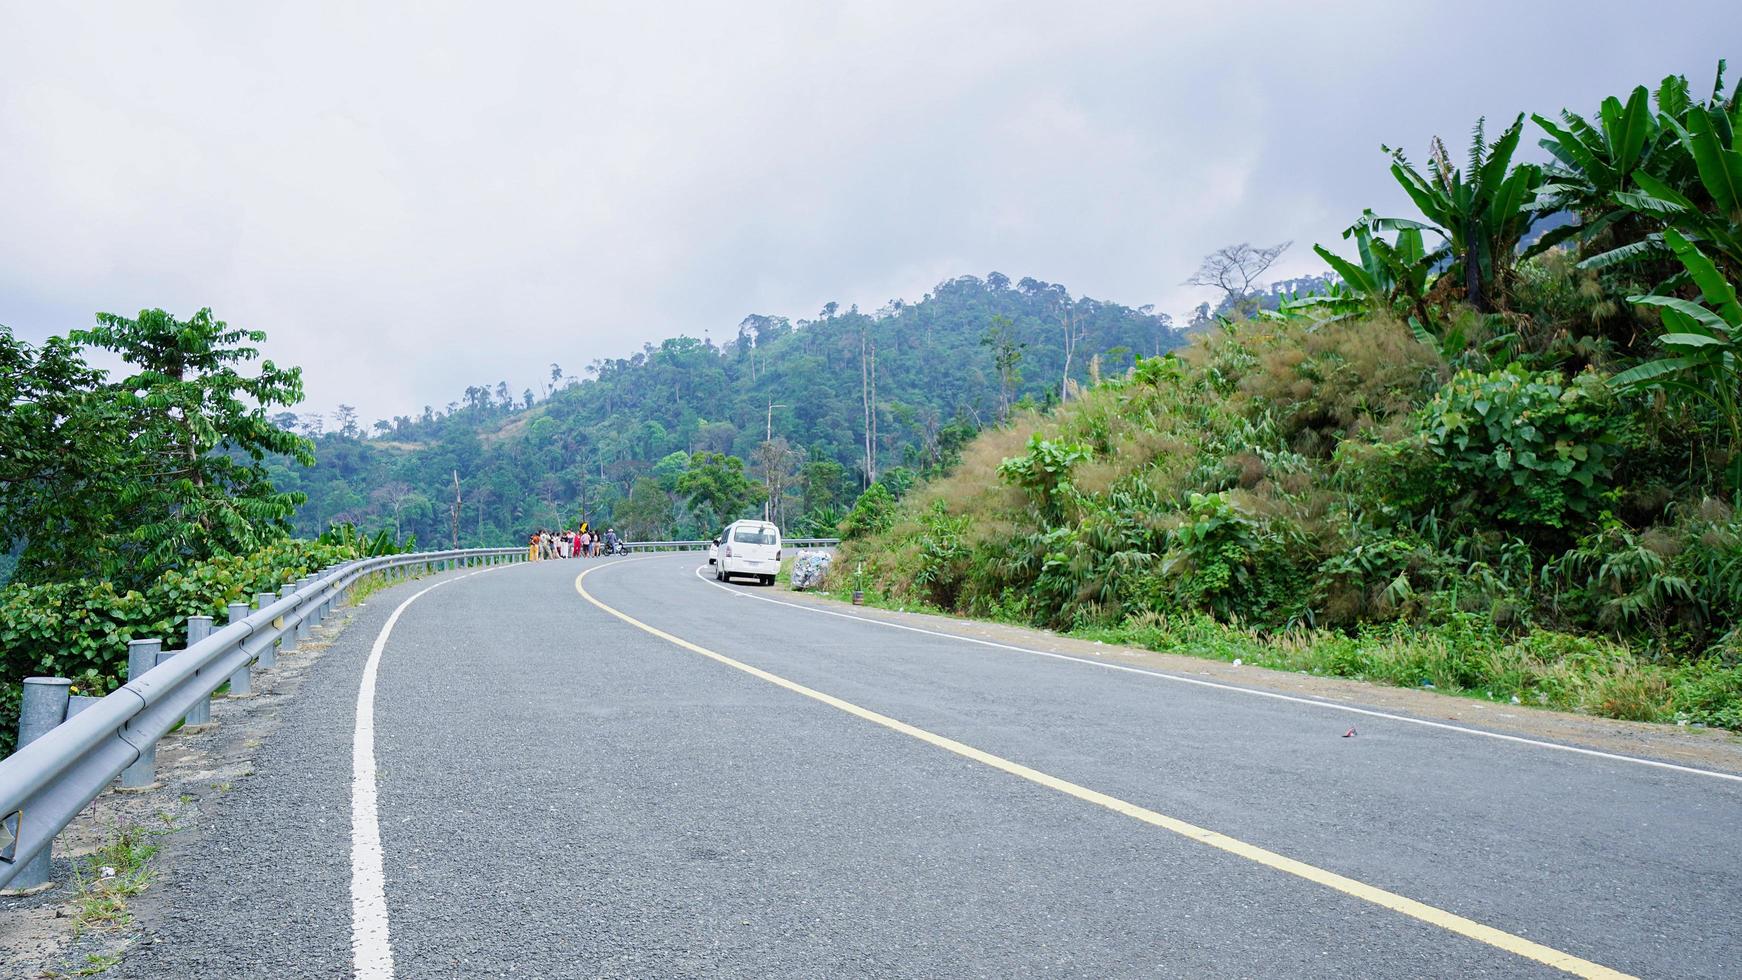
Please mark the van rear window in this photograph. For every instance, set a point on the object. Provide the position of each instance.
(751, 535)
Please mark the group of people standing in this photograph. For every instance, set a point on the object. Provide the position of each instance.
(583, 542)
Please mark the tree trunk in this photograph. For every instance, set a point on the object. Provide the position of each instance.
(1473, 272)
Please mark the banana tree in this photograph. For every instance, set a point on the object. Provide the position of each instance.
(1694, 184)
(1593, 162)
(1702, 346)
(1390, 275)
(1481, 215)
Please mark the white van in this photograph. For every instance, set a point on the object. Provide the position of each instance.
(748, 548)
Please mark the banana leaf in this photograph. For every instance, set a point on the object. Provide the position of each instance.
(1716, 290)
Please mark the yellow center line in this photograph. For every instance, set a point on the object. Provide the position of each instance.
(1429, 914)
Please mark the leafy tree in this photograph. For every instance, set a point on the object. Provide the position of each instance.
(65, 458)
(777, 464)
(646, 515)
(716, 487)
(345, 417)
(1481, 214)
(821, 482)
(201, 432)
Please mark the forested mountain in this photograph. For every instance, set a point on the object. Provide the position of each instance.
(848, 398)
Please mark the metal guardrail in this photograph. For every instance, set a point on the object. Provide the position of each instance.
(798, 543)
(64, 764)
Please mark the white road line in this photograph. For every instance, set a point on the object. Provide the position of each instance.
(371, 950)
(1334, 706)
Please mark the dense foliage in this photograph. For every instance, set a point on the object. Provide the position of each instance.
(1505, 470)
(79, 628)
(123, 480)
(912, 382)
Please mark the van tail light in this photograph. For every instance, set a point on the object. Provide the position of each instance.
(726, 552)
(777, 554)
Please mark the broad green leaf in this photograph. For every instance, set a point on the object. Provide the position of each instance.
(1639, 375)
(1354, 275)
(1570, 151)
(1713, 286)
(1500, 154)
(1661, 191)
(1631, 252)
(1693, 311)
(1720, 168)
(1431, 203)
(1634, 132)
(1690, 340)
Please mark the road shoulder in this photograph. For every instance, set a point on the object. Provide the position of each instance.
(1712, 749)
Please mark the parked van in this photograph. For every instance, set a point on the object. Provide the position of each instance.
(749, 548)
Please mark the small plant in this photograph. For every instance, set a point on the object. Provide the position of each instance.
(106, 878)
(96, 964)
(943, 556)
(1045, 471)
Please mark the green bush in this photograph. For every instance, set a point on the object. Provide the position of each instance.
(943, 555)
(1045, 472)
(79, 630)
(871, 513)
(1533, 449)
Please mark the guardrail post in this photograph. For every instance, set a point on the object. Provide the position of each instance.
(291, 636)
(141, 657)
(200, 715)
(311, 604)
(241, 683)
(44, 705)
(302, 607)
(269, 652)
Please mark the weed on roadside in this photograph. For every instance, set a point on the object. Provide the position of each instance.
(106, 878)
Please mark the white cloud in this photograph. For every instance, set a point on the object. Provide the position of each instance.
(411, 199)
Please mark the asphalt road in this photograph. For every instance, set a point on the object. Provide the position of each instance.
(563, 793)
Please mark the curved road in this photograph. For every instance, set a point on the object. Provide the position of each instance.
(672, 778)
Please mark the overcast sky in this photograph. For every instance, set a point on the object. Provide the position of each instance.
(411, 198)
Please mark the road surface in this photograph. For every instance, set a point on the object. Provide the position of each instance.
(646, 774)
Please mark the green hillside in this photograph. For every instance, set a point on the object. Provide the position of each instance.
(931, 372)
(1509, 471)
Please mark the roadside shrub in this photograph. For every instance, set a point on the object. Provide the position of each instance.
(1045, 471)
(79, 630)
(943, 556)
(1531, 449)
(872, 513)
(1677, 584)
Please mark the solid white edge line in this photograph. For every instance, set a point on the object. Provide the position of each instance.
(1334, 706)
(371, 947)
